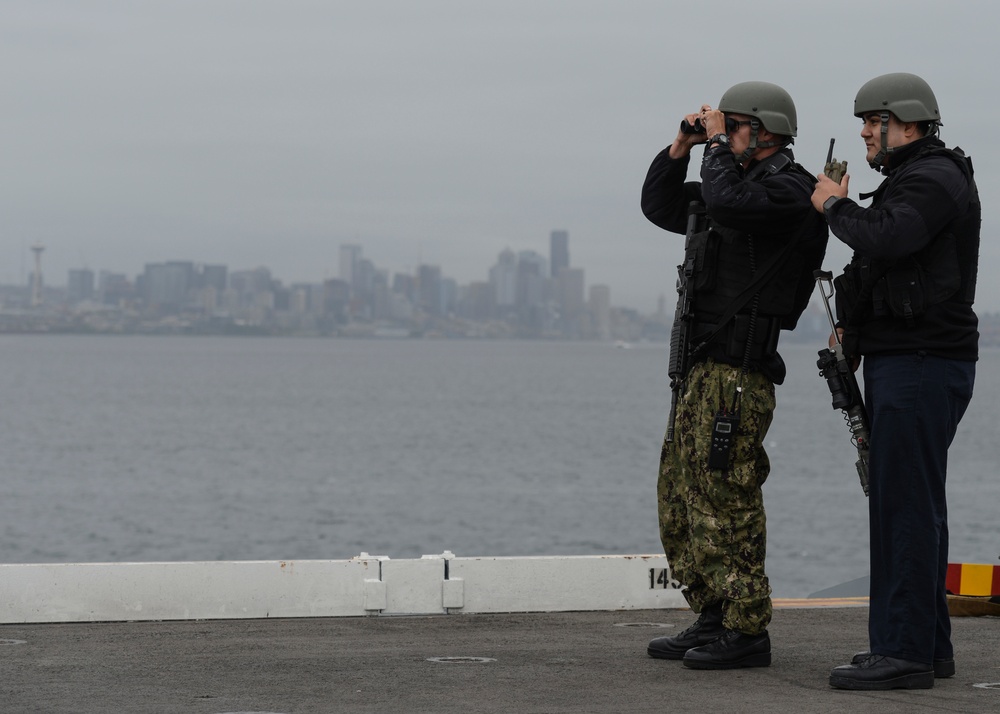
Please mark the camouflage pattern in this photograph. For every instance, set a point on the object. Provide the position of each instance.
(712, 523)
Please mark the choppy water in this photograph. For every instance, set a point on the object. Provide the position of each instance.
(173, 448)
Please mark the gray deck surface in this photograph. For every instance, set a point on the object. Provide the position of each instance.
(565, 662)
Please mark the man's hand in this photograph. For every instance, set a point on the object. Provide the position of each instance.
(683, 143)
(713, 120)
(837, 338)
(826, 187)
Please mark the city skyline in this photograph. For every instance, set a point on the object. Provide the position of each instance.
(522, 294)
(556, 259)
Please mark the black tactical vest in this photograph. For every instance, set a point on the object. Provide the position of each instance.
(725, 262)
(945, 269)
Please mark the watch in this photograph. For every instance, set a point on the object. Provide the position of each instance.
(828, 203)
(722, 139)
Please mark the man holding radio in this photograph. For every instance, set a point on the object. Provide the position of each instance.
(904, 304)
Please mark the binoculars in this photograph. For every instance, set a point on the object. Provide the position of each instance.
(696, 128)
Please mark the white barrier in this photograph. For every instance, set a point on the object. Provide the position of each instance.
(365, 585)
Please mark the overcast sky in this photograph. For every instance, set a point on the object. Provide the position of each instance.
(259, 133)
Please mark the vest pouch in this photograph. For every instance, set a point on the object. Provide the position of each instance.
(919, 281)
(703, 252)
(901, 292)
(845, 294)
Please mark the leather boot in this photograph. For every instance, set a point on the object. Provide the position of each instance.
(876, 672)
(731, 651)
(943, 668)
(707, 628)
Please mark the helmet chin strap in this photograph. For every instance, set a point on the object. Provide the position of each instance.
(884, 150)
(754, 144)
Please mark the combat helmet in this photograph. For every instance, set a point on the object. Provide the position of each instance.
(905, 95)
(769, 106)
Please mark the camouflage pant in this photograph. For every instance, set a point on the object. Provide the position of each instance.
(712, 522)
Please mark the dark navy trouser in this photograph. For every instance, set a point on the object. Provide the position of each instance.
(914, 402)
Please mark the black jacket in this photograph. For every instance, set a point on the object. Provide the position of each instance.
(922, 230)
(772, 208)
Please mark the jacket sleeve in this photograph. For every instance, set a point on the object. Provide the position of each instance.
(666, 195)
(916, 207)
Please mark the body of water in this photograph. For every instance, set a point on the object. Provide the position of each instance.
(176, 448)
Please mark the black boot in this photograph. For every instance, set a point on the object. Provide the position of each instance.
(876, 672)
(731, 651)
(707, 628)
(943, 668)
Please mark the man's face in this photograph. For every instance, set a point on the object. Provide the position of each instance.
(871, 132)
(739, 138)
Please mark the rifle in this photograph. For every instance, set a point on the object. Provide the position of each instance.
(836, 369)
(680, 354)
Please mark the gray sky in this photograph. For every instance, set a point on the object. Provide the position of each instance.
(268, 133)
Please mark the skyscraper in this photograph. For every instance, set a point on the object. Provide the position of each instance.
(429, 289)
(215, 276)
(558, 252)
(349, 257)
(80, 285)
(503, 278)
(36, 277)
(531, 281)
(167, 284)
(600, 308)
(569, 292)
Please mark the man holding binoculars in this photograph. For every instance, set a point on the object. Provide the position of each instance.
(752, 244)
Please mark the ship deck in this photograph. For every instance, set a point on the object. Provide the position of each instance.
(526, 662)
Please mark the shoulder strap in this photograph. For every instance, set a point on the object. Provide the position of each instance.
(769, 166)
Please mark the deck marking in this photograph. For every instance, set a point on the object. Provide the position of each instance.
(816, 602)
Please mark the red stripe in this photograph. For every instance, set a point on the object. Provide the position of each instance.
(953, 580)
(995, 589)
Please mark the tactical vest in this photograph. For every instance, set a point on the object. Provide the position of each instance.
(945, 269)
(725, 262)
